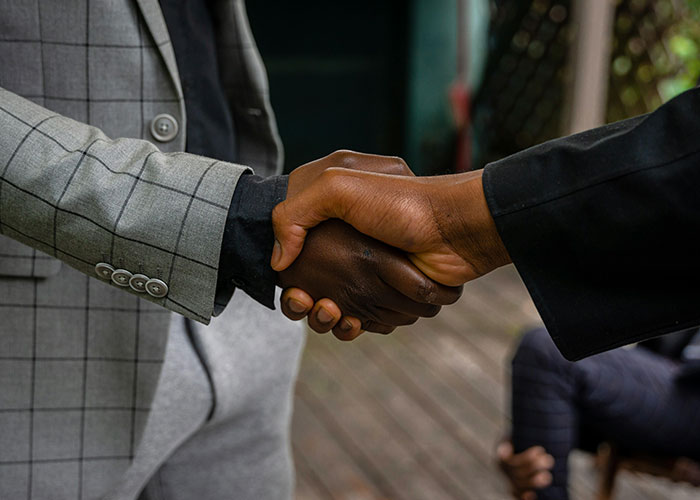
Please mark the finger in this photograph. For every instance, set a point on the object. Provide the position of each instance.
(528, 456)
(390, 165)
(324, 316)
(530, 465)
(504, 450)
(348, 328)
(400, 274)
(358, 198)
(541, 480)
(374, 327)
(296, 303)
(330, 195)
(449, 270)
(289, 239)
(385, 316)
(292, 218)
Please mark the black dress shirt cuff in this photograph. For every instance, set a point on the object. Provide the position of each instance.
(248, 240)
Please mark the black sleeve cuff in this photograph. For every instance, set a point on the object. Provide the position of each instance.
(599, 225)
(246, 248)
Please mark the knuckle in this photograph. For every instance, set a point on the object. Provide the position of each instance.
(278, 213)
(427, 292)
(457, 294)
(344, 158)
(400, 165)
(330, 177)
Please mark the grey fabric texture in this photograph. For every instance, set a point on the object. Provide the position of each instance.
(83, 181)
(72, 193)
(181, 405)
(243, 451)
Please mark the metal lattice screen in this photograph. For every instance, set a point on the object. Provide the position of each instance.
(654, 55)
(521, 98)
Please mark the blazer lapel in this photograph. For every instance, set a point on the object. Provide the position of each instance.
(153, 15)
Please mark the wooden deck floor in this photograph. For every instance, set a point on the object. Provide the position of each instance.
(416, 415)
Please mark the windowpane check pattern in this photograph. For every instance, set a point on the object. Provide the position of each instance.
(80, 357)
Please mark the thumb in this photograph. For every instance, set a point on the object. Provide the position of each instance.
(289, 236)
(292, 219)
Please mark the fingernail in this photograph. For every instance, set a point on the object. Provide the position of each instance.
(346, 326)
(276, 254)
(296, 306)
(324, 316)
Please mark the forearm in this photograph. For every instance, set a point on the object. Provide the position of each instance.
(463, 216)
(601, 227)
(68, 190)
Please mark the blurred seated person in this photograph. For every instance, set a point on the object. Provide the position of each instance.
(645, 399)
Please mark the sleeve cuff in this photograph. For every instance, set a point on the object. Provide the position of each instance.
(248, 240)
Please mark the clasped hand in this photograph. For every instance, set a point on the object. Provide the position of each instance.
(347, 281)
(438, 233)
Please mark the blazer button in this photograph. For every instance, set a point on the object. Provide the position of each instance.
(164, 127)
(121, 277)
(138, 282)
(104, 271)
(156, 288)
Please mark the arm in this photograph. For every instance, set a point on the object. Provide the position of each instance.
(68, 190)
(600, 225)
(604, 236)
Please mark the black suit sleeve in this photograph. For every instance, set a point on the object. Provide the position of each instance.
(603, 227)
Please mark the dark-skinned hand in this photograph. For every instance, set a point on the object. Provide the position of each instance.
(527, 471)
(366, 279)
(363, 300)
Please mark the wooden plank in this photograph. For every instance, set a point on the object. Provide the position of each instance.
(481, 335)
(457, 468)
(446, 397)
(510, 291)
(464, 363)
(309, 486)
(644, 486)
(503, 298)
(417, 414)
(353, 420)
(328, 465)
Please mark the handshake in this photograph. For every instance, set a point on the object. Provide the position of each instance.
(363, 244)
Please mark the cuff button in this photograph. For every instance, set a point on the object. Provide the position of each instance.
(156, 288)
(121, 277)
(138, 282)
(104, 271)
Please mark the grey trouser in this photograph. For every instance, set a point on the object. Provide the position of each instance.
(243, 451)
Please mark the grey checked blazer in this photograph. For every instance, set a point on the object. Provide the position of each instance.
(80, 357)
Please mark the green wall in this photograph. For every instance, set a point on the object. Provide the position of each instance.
(430, 71)
(371, 75)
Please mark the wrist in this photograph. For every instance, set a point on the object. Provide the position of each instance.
(467, 225)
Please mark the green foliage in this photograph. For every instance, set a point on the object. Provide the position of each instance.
(683, 43)
(656, 54)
